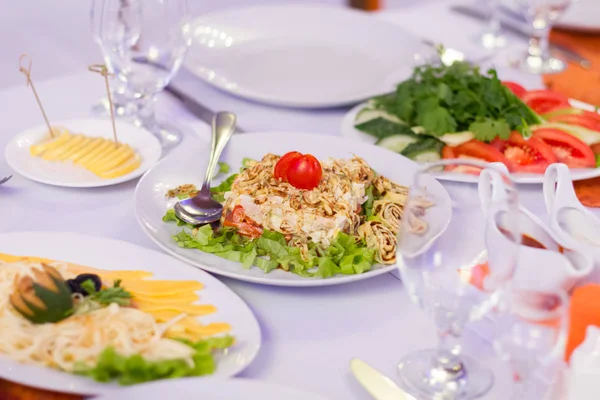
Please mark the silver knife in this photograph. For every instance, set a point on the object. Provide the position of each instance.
(481, 14)
(203, 113)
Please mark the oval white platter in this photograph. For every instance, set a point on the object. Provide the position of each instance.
(323, 56)
(349, 131)
(151, 205)
(112, 254)
(213, 389)
(66, 174)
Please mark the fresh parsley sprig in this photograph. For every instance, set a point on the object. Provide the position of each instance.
(114, 294)
(446, 99)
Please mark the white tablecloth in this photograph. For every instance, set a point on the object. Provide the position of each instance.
(309, 334)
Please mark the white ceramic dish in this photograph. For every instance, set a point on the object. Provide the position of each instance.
(305, 56)
(214, 389)
(151, 205)
(348, 130)
(112, 254)
(61, 174)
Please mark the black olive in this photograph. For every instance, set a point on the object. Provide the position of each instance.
(74, 286)
(89, 277)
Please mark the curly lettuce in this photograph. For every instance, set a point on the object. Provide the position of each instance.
(346, 254)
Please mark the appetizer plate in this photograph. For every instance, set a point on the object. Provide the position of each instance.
(322, 57)
(349, 131)
(62, 174)
(151, 204)
(112, 254)
(213, 389)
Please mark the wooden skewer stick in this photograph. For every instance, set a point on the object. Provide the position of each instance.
(102, 70)
(27, 73)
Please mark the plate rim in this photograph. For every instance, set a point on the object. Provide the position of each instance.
(272, 100)
(97, 388)
(107, 182)
(348, 131)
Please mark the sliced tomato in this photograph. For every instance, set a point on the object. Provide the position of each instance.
(586, 119)
(543, 101)
(245, 226)
(282, 166)
(532, 156)
(567, 148)
(514, 87)
(476, 151)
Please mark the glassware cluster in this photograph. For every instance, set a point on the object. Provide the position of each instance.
(143, 43)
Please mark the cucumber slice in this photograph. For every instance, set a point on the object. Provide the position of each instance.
(458, 138)
(397, 143)
(367, 114)
(382, 128)
(426, 149)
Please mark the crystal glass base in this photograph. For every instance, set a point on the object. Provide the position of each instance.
(125, 110)
(490, 40)
(537, 65)
(422, 378)
(168, 135)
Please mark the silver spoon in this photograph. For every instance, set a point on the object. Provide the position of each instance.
(202, 208)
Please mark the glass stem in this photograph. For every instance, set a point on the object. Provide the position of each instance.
(493, 22)
(448, 355)
(538, 43)
(145, 111)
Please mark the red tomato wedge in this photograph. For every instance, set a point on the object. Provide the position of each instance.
(283, 165)
(476, 151)
(245, 226)
(586, 119)
(532, 156)
(567, 148)
(303, 171)
(543, 101)
(514, 87)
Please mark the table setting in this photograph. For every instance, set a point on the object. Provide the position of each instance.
(306, 200)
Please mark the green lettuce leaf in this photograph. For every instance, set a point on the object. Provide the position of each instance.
(129, 370)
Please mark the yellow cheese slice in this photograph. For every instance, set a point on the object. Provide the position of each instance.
(38, 149)
(131, 165)
(57, 153)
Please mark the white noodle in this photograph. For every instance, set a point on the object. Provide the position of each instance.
(82, 337)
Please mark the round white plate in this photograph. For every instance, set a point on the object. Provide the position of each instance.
(348, 130)
(300, 55)
(213, 389)
(582, 15)
(151, 205)
(62, 174)
(110, 255)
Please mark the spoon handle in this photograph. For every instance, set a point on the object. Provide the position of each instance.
(223, 125)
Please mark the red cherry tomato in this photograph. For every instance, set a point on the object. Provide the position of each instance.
(543, 101)
(282, 166)
(514, 87)
(568, 149)
(305, 172)
(532, 156)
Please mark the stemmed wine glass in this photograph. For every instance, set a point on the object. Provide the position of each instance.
(531, 330)
(144, 43)
(453, 269)
(541, 15)
(491, 37)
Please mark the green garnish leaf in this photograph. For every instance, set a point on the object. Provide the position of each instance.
(224, 168)
(218, 192)
(114, 294)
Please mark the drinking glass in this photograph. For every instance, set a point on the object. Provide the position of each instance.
(531, 331)
(541, 15)
(123, 99)
(454, 255)
(491, 37)
(144, 43)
